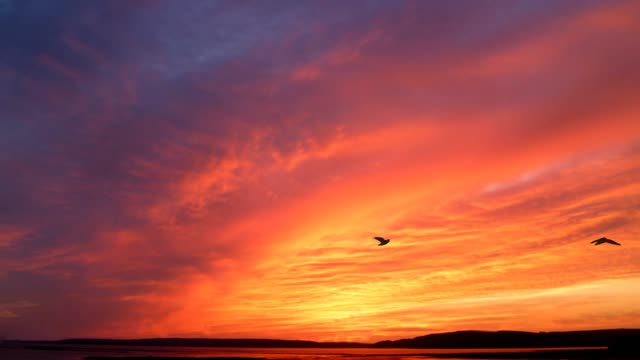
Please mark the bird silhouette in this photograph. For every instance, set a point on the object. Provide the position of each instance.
(603, 240)
(382, 240)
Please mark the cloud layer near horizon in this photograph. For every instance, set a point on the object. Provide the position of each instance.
(219, 168)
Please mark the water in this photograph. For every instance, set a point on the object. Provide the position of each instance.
(79, 352)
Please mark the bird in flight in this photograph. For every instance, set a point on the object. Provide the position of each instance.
(382, 240)
(603, 240)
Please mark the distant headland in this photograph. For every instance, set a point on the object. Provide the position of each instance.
(470, 339)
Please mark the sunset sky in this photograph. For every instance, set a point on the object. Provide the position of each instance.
(219, 168)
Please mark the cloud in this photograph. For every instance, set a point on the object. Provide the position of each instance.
(12, 309)
(189, 169)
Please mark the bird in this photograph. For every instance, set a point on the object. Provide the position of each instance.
(603, 240)
(382, 240)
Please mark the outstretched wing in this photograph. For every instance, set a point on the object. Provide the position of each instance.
(612, 242)
(381, 239)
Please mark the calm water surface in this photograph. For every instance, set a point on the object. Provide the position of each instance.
(79, 352)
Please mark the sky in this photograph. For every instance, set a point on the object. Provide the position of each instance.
(218, 168)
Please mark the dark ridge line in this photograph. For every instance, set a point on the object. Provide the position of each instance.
(469, 339)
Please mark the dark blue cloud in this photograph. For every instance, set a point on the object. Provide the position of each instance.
(162, 71)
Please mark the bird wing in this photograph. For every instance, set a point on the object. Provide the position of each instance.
(381, 239)
(612, 242)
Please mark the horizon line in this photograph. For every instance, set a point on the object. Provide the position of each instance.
(312, 341)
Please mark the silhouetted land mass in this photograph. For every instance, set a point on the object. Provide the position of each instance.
(616, 343)
(615, 338)
(620, 339)
(204, 342)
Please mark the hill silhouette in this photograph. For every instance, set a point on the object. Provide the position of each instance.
(206, 342)
(621, 339)
(618, 338)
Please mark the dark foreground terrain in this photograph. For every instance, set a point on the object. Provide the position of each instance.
(617, 338)
(620, 339)
(575, 345)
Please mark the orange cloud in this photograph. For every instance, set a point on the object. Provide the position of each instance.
(10, 234)
(240, 200)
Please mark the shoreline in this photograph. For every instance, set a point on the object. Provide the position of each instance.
(129, 353)
(567, 354)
